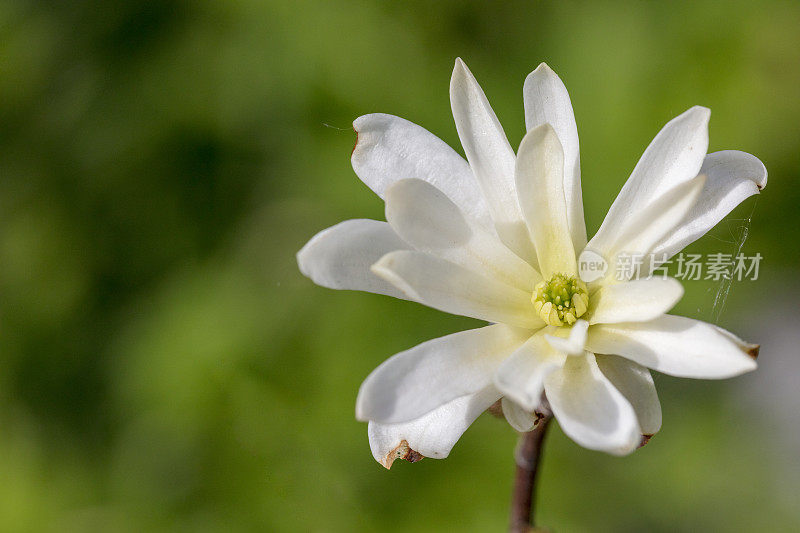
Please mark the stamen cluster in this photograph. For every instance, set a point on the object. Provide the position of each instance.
(561, 300)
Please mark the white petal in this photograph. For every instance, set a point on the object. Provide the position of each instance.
(390, 148)
(547, 102)
(491, 158)
(647, 227)
(674, 345)
(575, 341)
(589, 409)
(519, 418)
(540, 184)
(674, 157)
(340, 257)
(521, 376)
(431, 435)
(731, 176)
(747, 347)
(634, 301)
(416, 381)
(454, 289)
(425, 218)
(636, 384)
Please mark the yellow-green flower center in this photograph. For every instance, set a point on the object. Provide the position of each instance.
(561, 300)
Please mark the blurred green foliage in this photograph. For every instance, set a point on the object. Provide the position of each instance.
(165, 367)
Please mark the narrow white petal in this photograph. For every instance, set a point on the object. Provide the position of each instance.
(340, 257)
(390, 148)
(519, 418)
(634, 301)
(574, 342)
(425, 218)
(731, 177)
(673, 157)
(647, 227)
(454, 289)
(416, 381)
(589, 409)
(674, 345)
(521, 376)
(491, 158)
(747, 347)
(547, 102)
(636, 384)
(540, 184)
(431, 435)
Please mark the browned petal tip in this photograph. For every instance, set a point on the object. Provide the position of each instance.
(413, 456)
(752, 351)
(403, 451)
(356, 143)
(539, 417)
(645, 439)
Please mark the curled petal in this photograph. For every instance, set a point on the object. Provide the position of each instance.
(390, 148)
(431, 435)
(521, 376)
(425, 218)
(673, 157)
(547, 102)
(647, 226)
(416, 381)
(636, 384)
(675, 345)
(340, 257)
(518, 417)
(590, 410)
(491, 158)
(731, 177)
(454, 289)
(540, 185)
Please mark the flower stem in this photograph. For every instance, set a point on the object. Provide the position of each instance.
(527, 455)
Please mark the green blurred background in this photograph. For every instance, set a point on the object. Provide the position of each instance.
(165, 367)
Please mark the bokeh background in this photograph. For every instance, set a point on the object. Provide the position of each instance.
(165, 367)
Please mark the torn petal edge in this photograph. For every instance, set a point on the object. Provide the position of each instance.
(404, 452)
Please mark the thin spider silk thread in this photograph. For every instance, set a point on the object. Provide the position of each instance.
(726, 283)
(331, 126)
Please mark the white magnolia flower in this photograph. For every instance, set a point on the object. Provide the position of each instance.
(496, 238)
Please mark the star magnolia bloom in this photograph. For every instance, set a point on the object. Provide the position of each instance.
(496, 237)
